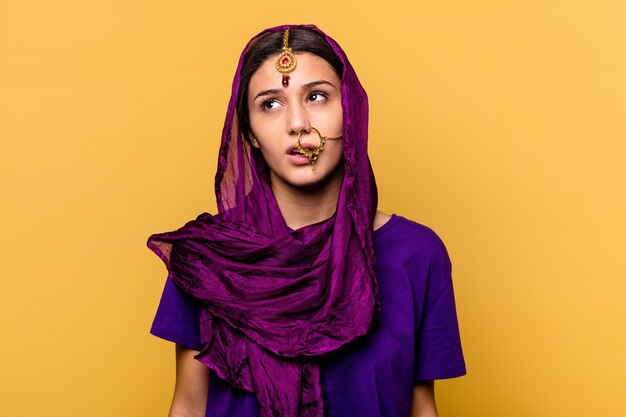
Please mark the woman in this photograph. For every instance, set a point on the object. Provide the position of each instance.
(299, 298)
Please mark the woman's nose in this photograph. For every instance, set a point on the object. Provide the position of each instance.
(297, 119)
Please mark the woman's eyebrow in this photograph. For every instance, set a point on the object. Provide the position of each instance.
(267, 93)
(312, 84)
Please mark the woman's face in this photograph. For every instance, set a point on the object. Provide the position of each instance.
(278, 114)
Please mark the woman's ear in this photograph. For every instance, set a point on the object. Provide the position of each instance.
(253, 141)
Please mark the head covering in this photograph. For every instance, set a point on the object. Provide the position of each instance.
(274, 298)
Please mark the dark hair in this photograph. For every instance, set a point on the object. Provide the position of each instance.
(270, 45)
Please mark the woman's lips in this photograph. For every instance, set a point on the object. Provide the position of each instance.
(292, 149)
(297, 158)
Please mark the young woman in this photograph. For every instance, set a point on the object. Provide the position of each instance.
(299, 298)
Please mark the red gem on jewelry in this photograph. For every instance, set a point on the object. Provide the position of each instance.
(285, 80)
(285, 60)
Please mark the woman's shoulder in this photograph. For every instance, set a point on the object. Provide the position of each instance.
(380, 219)
(398, 231)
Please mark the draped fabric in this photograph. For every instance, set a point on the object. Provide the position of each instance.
(274, 298)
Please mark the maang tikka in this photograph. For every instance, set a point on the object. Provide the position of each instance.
(286, 62)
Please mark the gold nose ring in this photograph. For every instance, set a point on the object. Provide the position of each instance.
(313, 154)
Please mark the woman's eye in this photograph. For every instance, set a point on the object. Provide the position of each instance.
(269, 104)
(317, 96)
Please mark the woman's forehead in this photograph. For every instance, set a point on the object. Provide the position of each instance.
(310, 68)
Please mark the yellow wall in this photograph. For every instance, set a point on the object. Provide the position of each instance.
(505, 132)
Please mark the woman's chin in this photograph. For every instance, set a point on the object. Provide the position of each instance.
(306, 179)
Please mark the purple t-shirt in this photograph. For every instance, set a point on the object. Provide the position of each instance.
(416, 337)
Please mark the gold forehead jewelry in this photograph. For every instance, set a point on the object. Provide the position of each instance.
(312, 154)
(286, 62)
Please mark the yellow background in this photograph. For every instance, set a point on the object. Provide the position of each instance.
(504, 130)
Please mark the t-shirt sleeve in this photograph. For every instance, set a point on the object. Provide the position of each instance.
(178, 317)
(438, 343)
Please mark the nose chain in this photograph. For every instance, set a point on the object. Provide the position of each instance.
(313, 154)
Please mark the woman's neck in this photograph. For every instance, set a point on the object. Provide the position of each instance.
(301, 206)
